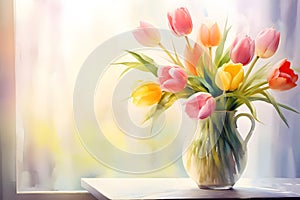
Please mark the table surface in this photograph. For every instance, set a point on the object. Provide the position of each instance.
(185, 188)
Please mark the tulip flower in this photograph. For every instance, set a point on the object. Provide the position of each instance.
(200, 105)
(192, 56)
(229, 76)
(242, 50)
(180, 22)
(172, 78)
(210, 36)
(146, 94)
(267, 42)
(146, 34)
(282, 77)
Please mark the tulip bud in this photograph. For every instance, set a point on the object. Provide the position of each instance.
(180, 22)
(267, 42)
(146, 94)
(210, 36)
(192, 56)
(146, 34)
(200, 105)
(172, 79)
(229, 76)
(242, 50)
(282, 77)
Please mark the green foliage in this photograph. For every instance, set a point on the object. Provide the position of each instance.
(220, 56)
(145, 63)
(253, 88)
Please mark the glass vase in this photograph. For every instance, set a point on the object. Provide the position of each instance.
(217, 155)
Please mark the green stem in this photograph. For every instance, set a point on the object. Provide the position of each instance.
(250, 68)
(221, 96)
(264, 88)
(187, 42)
(257, 91)
(168, 53)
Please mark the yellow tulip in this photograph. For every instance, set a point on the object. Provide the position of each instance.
(229, 76)
(146, 94)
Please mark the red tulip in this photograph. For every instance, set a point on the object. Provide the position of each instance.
(282, 77)
(180, 22)
(242, 50)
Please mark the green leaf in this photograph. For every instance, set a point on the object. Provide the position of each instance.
(185, 93)
(256, 88)
(276, 106)
(195, 84)
(209, 82)
(178, 62)
(225, 58)
(259, 75)
(166, 101)
(146, 61)
(147, 58)
(257, 98)
(220, 48)
(203, 63)
(154, 113)
(240, 100)
(203, 82)
(132, 65)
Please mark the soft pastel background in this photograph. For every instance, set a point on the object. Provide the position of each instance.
(53, 39)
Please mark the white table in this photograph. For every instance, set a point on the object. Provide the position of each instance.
(185, 188)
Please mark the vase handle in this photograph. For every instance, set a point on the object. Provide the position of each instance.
(251, 128)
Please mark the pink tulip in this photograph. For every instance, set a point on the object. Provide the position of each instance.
(282, 77)
(267, 42)
(180, 22)
(242, 50)
(146, 34)
(172, 78)
(200, 105)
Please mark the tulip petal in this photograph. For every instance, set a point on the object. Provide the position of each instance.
(215, 35)
(208, 108)
(223, 79)
(147, 35)
(180, 22)
(172, 78)
(281, 84)
(146, 94)
(282, 77)
(237, 80)
(204, 35)
(267, 42)
(200, 105)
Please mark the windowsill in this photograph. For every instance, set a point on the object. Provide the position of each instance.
(184, 188)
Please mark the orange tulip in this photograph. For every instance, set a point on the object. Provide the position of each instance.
(192, 56)
(210, 36)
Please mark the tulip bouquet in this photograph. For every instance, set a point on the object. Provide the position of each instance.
(212, 79)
